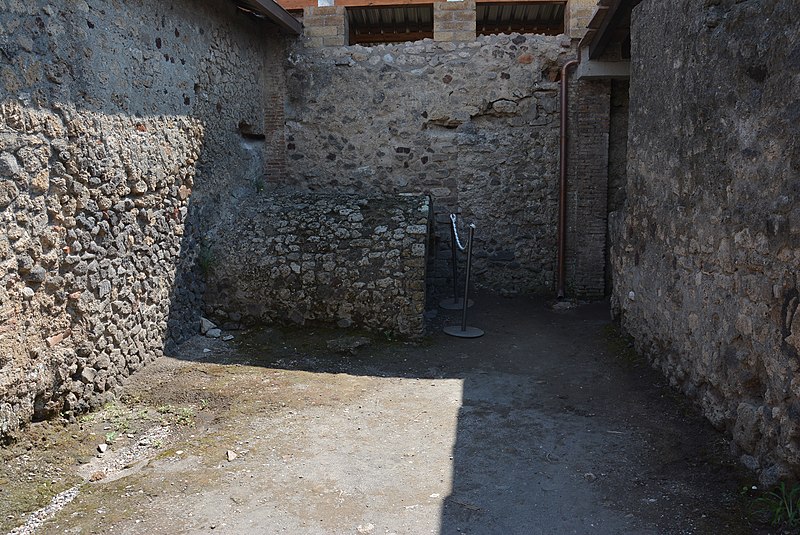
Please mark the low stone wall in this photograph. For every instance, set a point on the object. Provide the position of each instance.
(707, 255)
(120, 143)
(473, 124)
(336, 259)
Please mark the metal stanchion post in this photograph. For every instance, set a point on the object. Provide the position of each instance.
(463, 331)
(455, 303)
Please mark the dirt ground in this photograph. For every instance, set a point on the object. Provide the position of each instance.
(547, 424)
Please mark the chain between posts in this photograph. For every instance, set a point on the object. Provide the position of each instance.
(453, 218)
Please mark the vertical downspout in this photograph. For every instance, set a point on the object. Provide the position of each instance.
(562, 188)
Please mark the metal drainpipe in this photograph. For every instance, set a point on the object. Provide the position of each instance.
(562, 188)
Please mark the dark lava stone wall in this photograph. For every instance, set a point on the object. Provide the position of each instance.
(121, 145)
(706, 260)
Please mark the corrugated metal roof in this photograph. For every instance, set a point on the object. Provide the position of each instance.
(387, 24)
(372, 24)
(520, 17)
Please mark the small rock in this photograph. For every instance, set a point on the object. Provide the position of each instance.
(348, 344)
(227, 338)
(214, 333)
(37, 274)
(366, 529)
(206, 325)
(230, 455)
(102, 447)
(590, 477)
(206, 350)
(97, 476)
(564, 305)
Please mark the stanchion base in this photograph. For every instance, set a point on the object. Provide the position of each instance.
(470, 332)
(454, 304)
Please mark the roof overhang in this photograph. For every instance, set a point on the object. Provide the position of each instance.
(608, 30)
(274, 12)
(602, 70)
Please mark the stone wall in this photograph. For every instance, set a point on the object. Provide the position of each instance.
(126, 129)
(617, 166)
(323, 258)
(473, 124)
(706, 263)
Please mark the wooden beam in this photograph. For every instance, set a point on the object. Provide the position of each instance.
(597, 18)
(491, 29)
(300, 4)
(610, 22)
(387, 37)
(277, 14)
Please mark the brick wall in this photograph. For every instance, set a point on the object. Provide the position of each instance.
(326, 26)
(454, 21)
(275, 117)
(587, 189)
(578, 13)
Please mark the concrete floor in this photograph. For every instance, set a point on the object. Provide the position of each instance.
(548, 424)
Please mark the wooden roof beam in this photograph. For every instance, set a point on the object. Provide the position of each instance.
(300, 4)
(278, 14)
(612, 19)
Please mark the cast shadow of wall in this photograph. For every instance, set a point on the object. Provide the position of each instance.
(514, 432)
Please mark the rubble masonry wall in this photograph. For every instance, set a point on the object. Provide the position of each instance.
(334, 259)
(706, 258)
(121, 141)
(473, 124)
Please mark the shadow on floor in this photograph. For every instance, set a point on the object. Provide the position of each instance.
(561, 428)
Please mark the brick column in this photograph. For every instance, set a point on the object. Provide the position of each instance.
(587, 190)
(454, 21)
(274, 117)
(577, 17)
(326, 26)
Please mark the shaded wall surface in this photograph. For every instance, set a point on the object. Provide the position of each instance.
(120, 144)
(326, 258)
(707, 255)
(473, 124)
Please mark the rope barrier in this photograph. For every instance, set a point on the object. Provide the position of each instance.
(453, 218)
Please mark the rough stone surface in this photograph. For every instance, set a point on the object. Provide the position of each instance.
(120, 140)
(475, 125)
(334, 259)
(617, 165)
(706, 259)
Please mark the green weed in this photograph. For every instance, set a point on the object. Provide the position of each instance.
(205, 259)
(259, 184)
(781, 506)
(177, 415)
